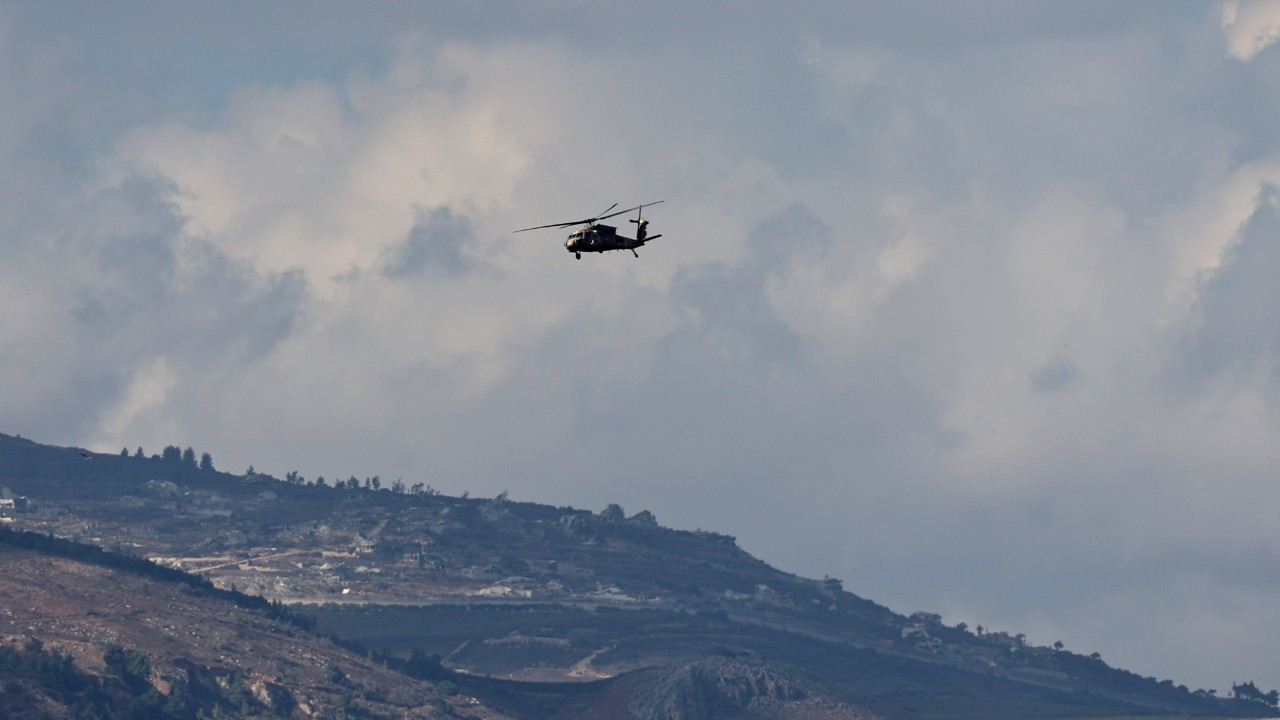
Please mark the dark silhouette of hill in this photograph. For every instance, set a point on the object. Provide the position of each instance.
(546, 612)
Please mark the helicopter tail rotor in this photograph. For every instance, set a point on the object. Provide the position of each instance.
(642, 225)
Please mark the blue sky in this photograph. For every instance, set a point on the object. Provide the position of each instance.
(968, 305)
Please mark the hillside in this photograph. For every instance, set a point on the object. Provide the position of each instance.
(559, 612)
(91, 635)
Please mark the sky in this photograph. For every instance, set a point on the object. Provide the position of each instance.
(970, 305)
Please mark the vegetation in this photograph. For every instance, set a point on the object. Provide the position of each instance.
(1249, 691)
(32, 677)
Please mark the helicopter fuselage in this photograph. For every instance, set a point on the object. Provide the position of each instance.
(598, 238)
(605, 238)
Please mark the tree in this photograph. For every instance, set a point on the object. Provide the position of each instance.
(1246, 691)
(1058, 646)
(1250, 691)
(171, 454)
(131, 666)
(124, 452)
(139, 454)
(423, 666)
(189, 458)
(1206, 693)
(206, 462)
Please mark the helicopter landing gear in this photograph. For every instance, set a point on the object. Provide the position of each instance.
(633, 252)
(578, 255)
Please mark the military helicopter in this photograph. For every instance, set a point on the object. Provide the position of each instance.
(603, 238)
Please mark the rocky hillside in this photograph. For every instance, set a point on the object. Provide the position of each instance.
(559, 612)
(84, 634)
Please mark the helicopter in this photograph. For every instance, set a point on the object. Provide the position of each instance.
(603, 238)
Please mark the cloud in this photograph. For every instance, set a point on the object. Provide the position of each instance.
(1237, 331)
(320, 178)
(436, 239)
(1250, 26)
(1056, 374)
(127, 305)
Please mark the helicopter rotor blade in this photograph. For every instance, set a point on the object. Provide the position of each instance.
(553, 225)
(605, 217)
(584, 221)
(591, 220)
(642, 207)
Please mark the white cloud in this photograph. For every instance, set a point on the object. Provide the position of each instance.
(1250, 26)
(323, 178)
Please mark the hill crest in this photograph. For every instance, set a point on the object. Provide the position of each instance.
(532, 592)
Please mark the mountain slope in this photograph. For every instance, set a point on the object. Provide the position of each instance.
(124, 640)
(540, 597)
